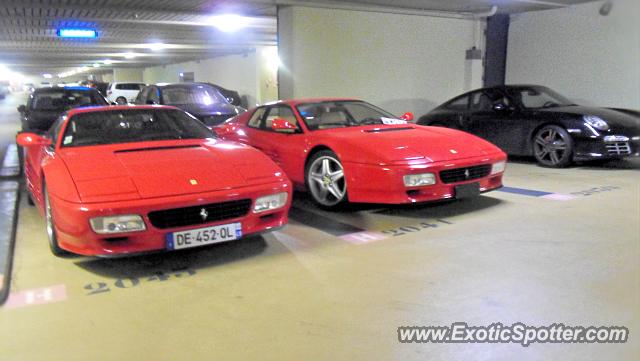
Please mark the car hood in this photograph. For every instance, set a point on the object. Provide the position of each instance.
(165, 168)
(394, 144)
(200, 110)
(614, 118)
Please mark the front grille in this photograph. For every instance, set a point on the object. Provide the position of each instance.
(188, 216)
(215, 119)
(464, 174)
(618, 148)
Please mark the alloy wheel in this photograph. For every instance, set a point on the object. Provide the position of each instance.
(552, 146)
(326, 181)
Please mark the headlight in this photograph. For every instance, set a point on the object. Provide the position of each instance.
(117, 224)
(271, 202)
(416, 180)
(596, 122)
(498, 167)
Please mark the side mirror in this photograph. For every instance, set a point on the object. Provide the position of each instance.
(31, 139)
(283, 126)
(22, 108)
(408, 116)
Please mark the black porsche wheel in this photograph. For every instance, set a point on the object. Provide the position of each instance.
(553, 146)
(51, 231)
(325, 180)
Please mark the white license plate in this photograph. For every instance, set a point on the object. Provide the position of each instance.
(204, 236)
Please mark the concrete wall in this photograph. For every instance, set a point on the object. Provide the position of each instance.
(127, 74)
(590, 58)
(399, 62)
(251, 75)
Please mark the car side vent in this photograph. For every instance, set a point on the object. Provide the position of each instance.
(156, 148)
(380, 130)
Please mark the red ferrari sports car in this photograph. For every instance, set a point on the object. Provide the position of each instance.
(131, 179)
(349, 150)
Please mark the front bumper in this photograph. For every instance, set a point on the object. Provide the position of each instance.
(75, 234)
(367, 183)
(598, 148)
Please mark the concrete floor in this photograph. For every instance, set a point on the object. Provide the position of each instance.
(309, 292)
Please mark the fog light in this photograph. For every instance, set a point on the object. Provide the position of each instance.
(498, 167)
(416, 180)
(117, 224)
(271, 202)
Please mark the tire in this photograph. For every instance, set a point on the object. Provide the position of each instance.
(553, 147)
(121, 100)
(51, 231)
(325, 180)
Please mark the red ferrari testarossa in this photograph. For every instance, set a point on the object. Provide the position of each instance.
(130, 179)
(348, 150)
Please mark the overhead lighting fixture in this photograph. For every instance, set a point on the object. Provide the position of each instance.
(96, 65)
(156, 46)
(77, 33)
(47, 76)
(107, 62)
(229, 22)
(129, 55)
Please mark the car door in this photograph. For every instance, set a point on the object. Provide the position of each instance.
(284, 148)
(493, 117)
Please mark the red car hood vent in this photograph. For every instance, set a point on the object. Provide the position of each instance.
(156, 148)
(380, 130)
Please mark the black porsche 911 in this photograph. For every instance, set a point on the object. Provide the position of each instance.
(534, 120)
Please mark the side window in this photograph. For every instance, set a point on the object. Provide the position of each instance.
(154, 95)
(140, 99)
(485, 100)
(460, 104)
(255, 120)
(480, 102)
(54, 131)
(283, 112)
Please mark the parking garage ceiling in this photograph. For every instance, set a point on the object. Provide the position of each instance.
(153, 32)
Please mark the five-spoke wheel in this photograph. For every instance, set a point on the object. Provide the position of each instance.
(325, 179)
(553, 146)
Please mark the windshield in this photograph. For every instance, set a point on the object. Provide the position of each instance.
(336, 114)
(127, 126)
(63, 99)
(538, 97)
(196, 94)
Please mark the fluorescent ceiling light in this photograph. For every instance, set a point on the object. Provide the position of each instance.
(229, 23)
(156, 46)
(77, 33)
(96, 65)
(47, 76)
(107, 62)
(129, 55)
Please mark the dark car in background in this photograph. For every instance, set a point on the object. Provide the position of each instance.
(534, 120)
(201, 100)
(232, 96)
(45, 105)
